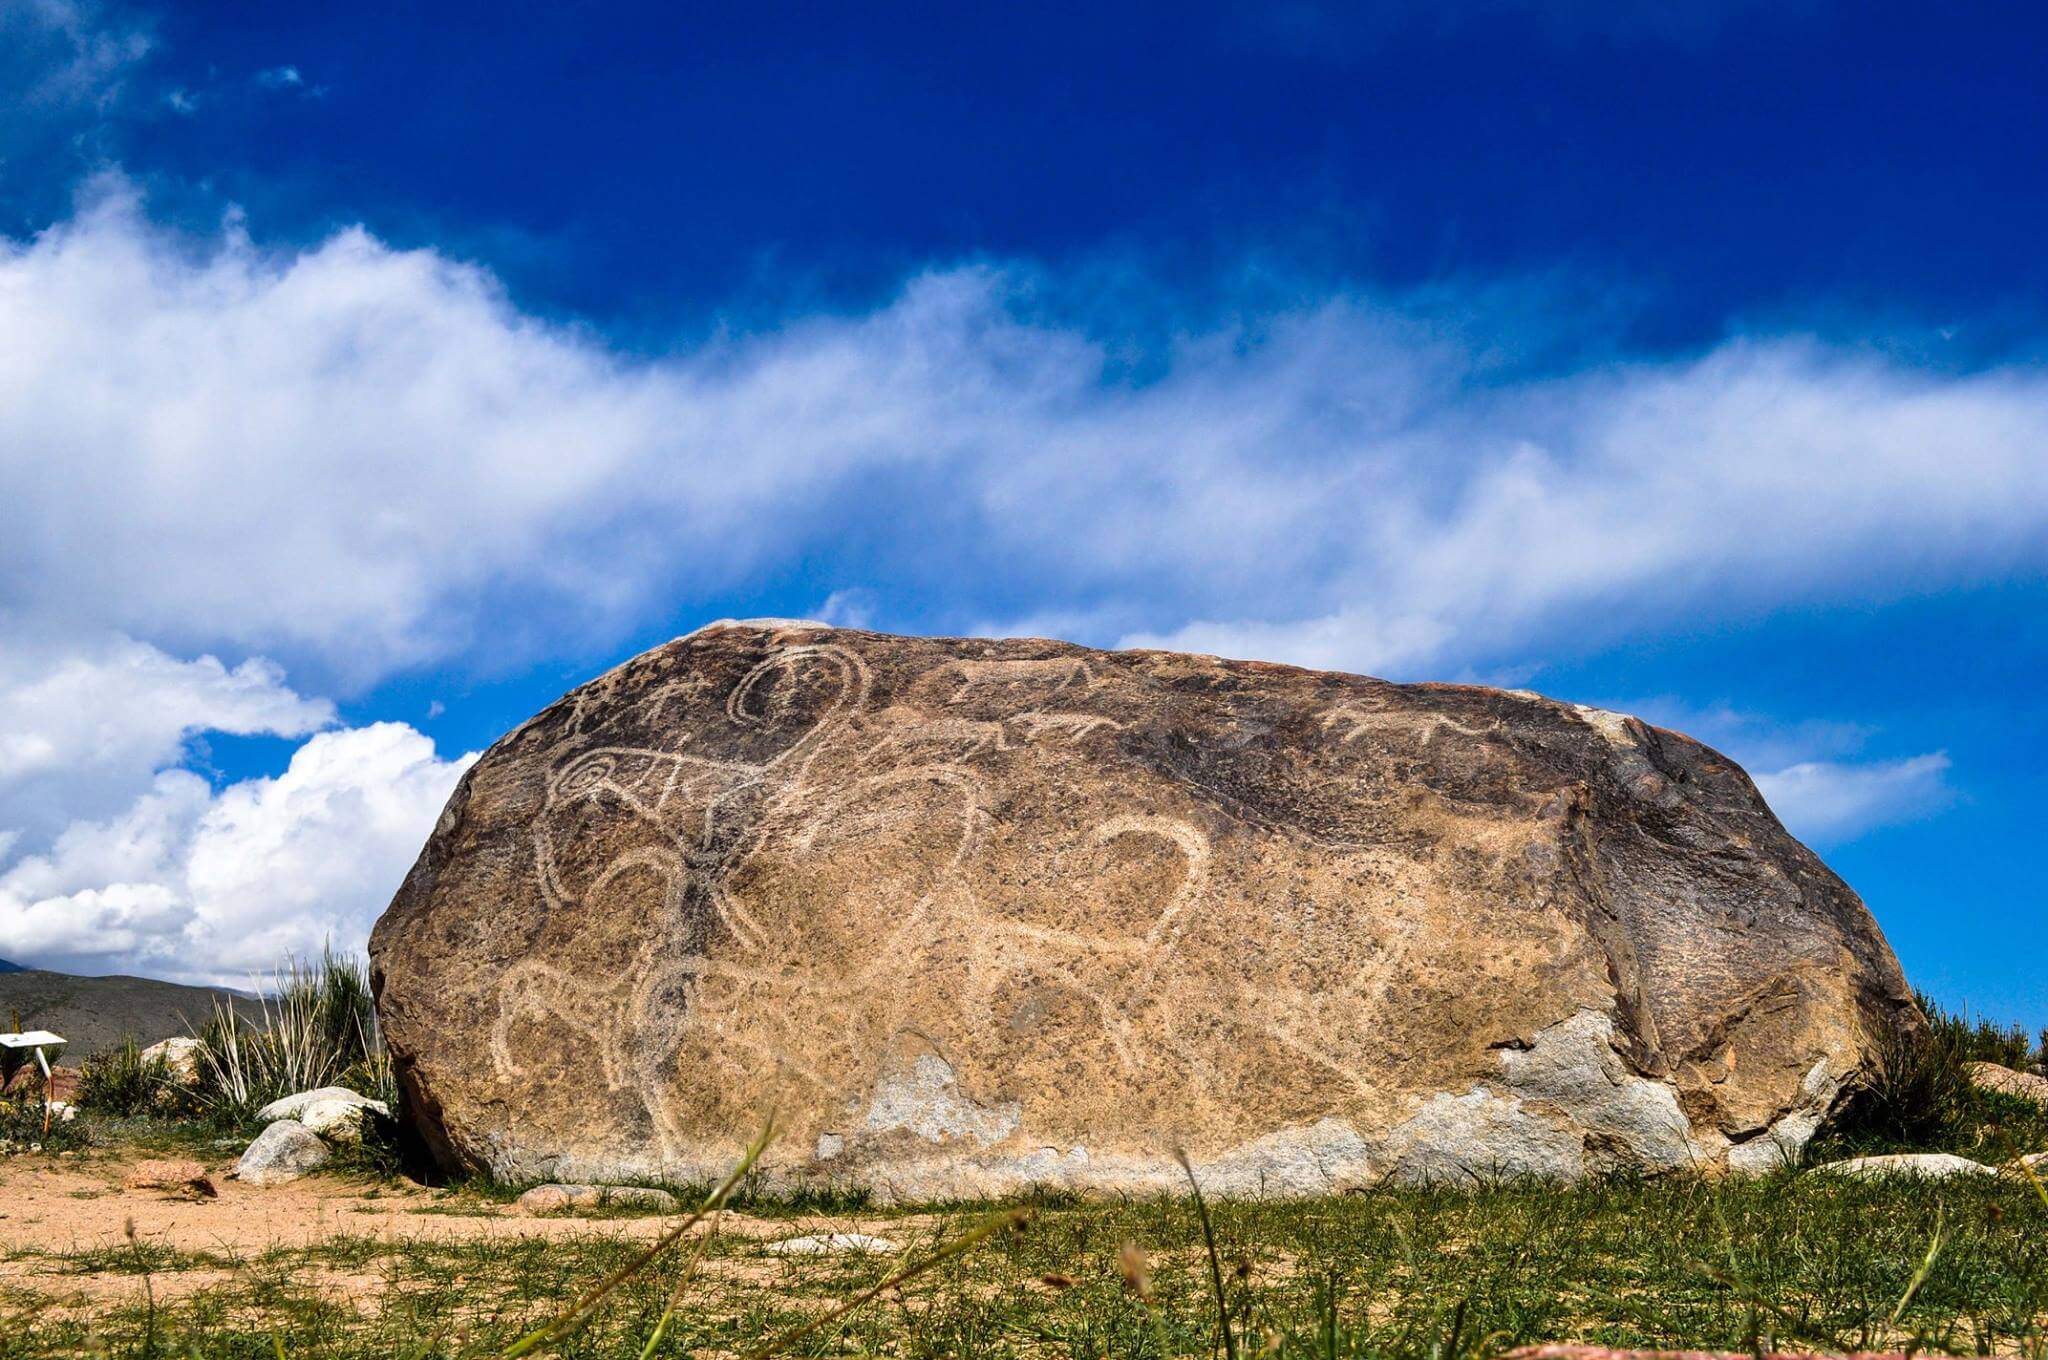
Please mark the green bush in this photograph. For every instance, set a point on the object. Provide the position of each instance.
(1919, 1096)
(121, 1082)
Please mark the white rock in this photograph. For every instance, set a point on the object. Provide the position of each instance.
(180, 1058)
(832, 1244)
(338, 1121)
(1932, 1166)
(283, 1152)
(294, 1106)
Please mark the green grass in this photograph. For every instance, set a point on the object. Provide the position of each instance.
(1795, 1261)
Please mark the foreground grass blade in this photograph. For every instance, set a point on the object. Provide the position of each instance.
(675, 1298)
(1215, 1261)
(959, 1246)
(574, 1318)
(1920, 1275)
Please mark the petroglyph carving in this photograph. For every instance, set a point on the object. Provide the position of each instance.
(962, 909)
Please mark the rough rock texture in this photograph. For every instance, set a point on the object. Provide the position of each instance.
(178, 1176)
(2005, 1081)
(971, 915)
(284, 1151)
(180, 1058)
(834, 1244)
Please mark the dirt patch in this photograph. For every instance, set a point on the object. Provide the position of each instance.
(65, 1207)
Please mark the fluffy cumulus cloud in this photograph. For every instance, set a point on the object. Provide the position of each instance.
(194, 883)
(355, 459)
(86, 722)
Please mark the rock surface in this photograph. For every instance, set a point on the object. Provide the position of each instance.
(834, 1244)
(283, 1152)
(561, 1199)
(1933, 1166)
(339, 1121)
(2005, 1081)
(974, 915)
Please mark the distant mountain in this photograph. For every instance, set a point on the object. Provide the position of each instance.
(6, 967)
(97, 1013)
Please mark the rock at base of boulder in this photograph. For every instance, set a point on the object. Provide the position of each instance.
(834, 1244)
(562, 1199)
(283, 1152)
(178, 1176)
(1931, 1166)
(180, 1058)
(295, 1106)
(2006, 1082)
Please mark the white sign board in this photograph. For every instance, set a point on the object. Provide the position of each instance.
(40, 1040)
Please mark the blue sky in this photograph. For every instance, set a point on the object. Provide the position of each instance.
(368, 377)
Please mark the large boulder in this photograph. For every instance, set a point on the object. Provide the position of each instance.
(971, 915)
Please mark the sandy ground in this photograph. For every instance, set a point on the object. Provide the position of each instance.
(51, 1209)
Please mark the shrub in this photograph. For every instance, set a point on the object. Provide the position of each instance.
(121, 1082)
(1919, 1096)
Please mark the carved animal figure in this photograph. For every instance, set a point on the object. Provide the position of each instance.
(973, 915)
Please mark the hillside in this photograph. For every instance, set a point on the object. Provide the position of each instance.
(6, 967)
(98, 1012)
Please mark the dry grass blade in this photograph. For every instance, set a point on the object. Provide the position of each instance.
(683, 1282)
(959, 1246)
(1920, 1275)
(574, 1318)
(2033, 1180)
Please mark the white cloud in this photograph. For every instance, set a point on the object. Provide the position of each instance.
(189, 883)
(357, 459)
(84, 724)
(1827, 802)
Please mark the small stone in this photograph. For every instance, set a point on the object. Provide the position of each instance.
(338, 1121)
(834, 1244)
(283, 1152)
(176, 1175)
(1923, 1165)
(556, 1199)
